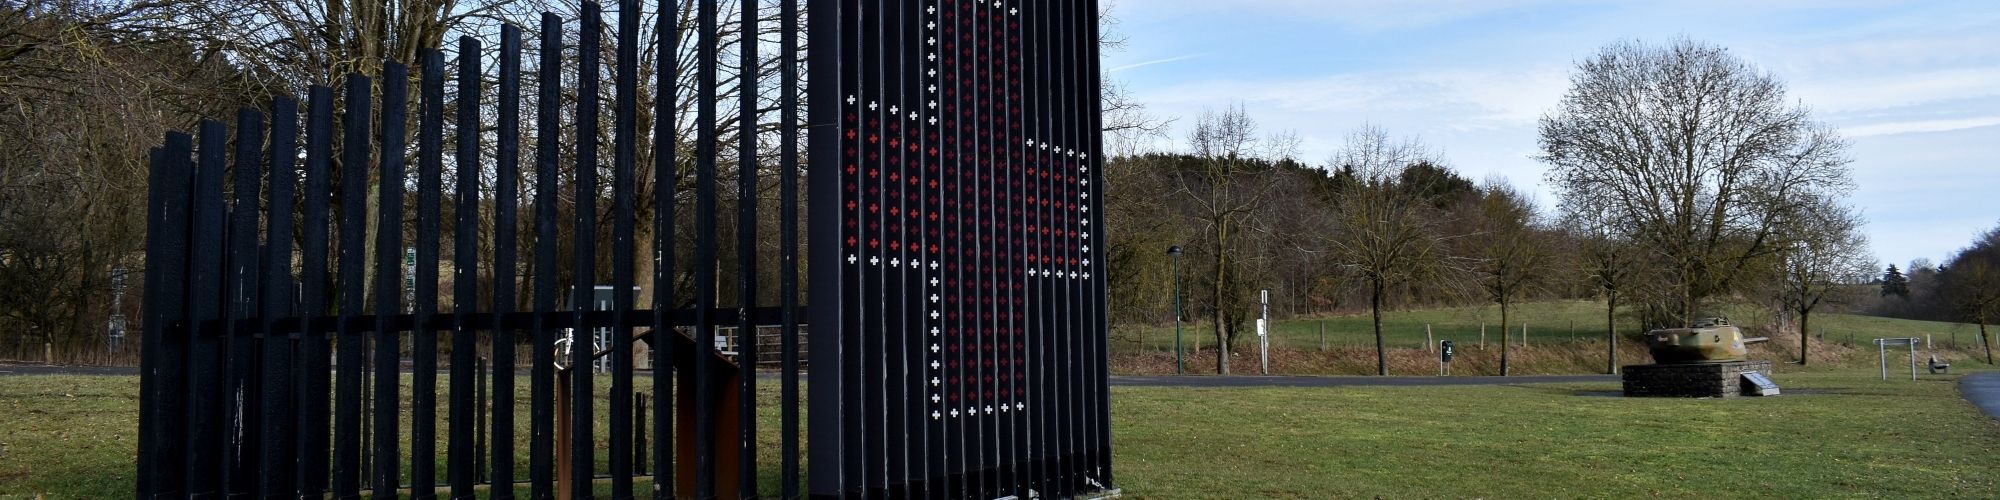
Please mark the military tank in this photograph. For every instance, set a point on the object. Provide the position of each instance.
(1710, 340)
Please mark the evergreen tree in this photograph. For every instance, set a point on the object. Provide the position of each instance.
(1894, 283)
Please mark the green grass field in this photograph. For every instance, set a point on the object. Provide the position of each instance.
(1836, 433)
(1548, 320)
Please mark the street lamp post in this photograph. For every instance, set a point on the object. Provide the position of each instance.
(1180, 364)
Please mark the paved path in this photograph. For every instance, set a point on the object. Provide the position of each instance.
(1983, 390)
(66, 370)
(1282, 381)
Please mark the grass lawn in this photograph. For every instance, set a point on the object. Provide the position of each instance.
(1835, 433)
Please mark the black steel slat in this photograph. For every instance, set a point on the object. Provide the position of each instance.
(548, 81)
(1100, 326)
(506, 192)
(347, 469)
(746, 248)
(316, 382)
(825, 270)
(423, 340)
(624, 151)
(788, 248)
(205, 420)
(583, 456)
(162, 437)
(277, 430)
(665, 182)
(704, 263)
(239, 293)
(462, 456)
(387, 474)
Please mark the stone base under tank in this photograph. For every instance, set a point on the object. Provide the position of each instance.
(1692, 380)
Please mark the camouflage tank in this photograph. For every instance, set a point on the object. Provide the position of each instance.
(1712, 340)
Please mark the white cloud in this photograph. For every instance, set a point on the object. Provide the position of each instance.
(1915, 127)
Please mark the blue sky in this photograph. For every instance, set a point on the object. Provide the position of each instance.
(1914, 85)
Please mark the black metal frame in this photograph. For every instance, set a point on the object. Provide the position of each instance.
(237, 333)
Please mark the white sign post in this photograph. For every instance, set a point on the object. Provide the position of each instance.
(1264, 330)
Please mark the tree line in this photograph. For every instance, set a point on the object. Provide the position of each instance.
(1686, 180)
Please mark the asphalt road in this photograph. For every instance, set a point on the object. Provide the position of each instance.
(1284, 381)
(1983, 390)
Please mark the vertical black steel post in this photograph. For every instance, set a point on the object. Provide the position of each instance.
(1094, 161)
(277, 435)
(239, 292)
(624, 152)
(583, 447)
(704, 253)
(162, 435)
(665, 181)
(541, 420)
(506, 199)
(347, 469)
(788, 246)
(423, 341)
(205, 419)
(746, 249)
(460, 451)
(388, 280)
(826, 269)
(315, 386)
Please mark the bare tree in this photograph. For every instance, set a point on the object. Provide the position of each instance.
(1971, 284)
(1514, 254)
(1826, 253)
(1388, 233)
(1696, 155)
(1609, 263)
(1222, 196)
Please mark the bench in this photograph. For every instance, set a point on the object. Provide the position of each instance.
(1937, 367)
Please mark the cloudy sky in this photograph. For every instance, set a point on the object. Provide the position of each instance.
(1914, 85)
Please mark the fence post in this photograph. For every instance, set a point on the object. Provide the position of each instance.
(1482, 336)
(1524, 334)
(1322, 335)
(1428, 339)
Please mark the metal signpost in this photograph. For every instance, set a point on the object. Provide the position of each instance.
(1264, 330)
(1882, 353)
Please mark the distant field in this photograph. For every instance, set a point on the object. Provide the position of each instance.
(1545, 321)
(1838, 432)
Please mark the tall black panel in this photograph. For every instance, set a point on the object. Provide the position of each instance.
(956, 310)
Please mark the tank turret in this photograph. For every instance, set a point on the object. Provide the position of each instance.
(1711, 340)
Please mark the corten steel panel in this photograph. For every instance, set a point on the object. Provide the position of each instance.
(958, 296)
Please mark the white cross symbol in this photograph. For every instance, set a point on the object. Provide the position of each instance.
(1086, 195)
(1086, 221)
(935, 381)
(850, 99)
(933, 104)
(1003, 408)
(934, 365)
(933, 24)
(1020, 406)
(1086, 275)
(1045, 146)
(934, 297)
(989, 410)
(1084, 169)
(954, 413)
(934, 265)
(933, 88)
(932, 57)
(1086, 248)
(1086, 209)
(933, 120)
(872, 105)
(874, 261)
(930, 41)
(850, 258)
(930, 10)
(934, 348)
(934, 399)
(1086, 262)
(1086, 182)
(913, 116)
(1086, 235)
(934, 332)
(932, 73)
(934, 281)
(935, 416)
(895, 262)
(1072, 275)
(934, 315)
